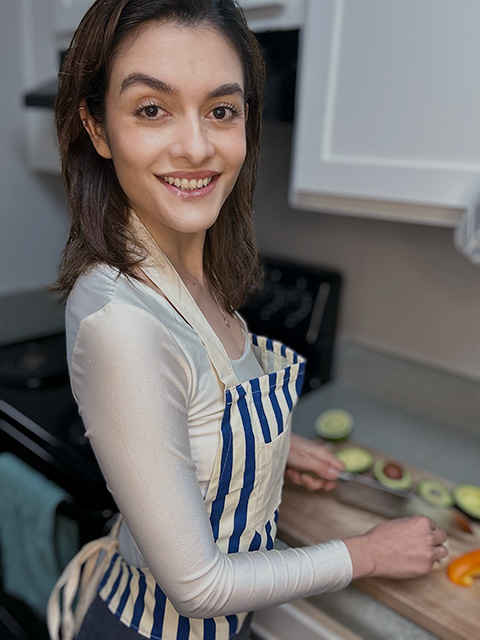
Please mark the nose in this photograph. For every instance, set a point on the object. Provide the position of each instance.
(192, 140)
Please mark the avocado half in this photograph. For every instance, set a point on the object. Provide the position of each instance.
(392, 475)
(355, 459)
(435, 492)
(334, 424)
(467, 498)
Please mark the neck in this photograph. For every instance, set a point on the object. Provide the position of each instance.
(184, 251)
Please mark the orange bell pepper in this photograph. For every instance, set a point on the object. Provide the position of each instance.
(464, 569)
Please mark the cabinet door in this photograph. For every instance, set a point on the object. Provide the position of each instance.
(388, 109)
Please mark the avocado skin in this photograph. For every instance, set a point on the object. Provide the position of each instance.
(467, 499)
(405, 482)
(435, 492)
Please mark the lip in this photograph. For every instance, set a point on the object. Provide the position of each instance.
(189, 175)
(190, 193)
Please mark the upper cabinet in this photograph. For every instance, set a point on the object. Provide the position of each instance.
(273, 15)
(388, 109)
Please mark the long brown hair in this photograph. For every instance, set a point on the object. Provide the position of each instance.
(99, 207)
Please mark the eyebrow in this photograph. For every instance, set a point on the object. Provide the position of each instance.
(228, 89)
(149, 81)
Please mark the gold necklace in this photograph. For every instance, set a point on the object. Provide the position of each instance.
(227, 322)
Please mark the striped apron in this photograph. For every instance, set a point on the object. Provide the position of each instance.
(242, 499)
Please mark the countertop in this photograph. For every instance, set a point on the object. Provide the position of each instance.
(410, 437)
(406, 436)
(30, 314)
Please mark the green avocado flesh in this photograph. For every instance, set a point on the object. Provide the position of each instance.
(467, 498)
(392, 475)
(355, 459)
(334, 424)
(435, 492)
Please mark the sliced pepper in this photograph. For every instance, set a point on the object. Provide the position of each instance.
(464, 569)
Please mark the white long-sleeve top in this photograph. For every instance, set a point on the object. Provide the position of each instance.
(152, 406)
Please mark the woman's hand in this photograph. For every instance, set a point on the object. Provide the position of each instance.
(311, 465)
(402, 548)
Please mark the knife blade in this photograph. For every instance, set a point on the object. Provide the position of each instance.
(368, 494)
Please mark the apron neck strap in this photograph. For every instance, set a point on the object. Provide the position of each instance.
(162, 273)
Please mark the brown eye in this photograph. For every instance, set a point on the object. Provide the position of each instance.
(219, 113)
(151, 111)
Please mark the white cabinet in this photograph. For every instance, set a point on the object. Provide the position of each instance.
(268, 15)
(388, 109)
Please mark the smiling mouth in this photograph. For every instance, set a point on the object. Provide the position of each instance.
(185, 183)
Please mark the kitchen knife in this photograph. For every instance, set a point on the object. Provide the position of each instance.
(368, 494)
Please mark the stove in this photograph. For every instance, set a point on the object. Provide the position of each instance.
(40, 424)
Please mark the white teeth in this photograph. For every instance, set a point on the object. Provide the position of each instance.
(184, 183)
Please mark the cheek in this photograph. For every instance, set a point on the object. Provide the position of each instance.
(130, 147)
(131, 161)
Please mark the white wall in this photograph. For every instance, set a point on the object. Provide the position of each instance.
(33, 216)
(407, 290)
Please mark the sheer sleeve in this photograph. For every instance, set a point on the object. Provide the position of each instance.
(132, 382)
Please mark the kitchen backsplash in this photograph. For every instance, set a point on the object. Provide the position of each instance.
(428, 391)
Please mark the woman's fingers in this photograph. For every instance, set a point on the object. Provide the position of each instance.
(439, 536)
(308, 480)
(440, 552)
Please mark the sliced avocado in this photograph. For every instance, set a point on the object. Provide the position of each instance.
(355, 459)
(392, 475)
(467, 498)
(435, 492)
(334, 424)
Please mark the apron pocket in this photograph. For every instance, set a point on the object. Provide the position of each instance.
(271, 461)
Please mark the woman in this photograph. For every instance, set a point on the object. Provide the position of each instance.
(158, 120)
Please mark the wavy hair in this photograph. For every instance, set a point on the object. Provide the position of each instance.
(99, 208)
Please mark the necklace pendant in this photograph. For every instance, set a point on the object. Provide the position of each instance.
(227, 322)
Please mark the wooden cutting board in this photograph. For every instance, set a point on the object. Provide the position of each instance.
(433, 601)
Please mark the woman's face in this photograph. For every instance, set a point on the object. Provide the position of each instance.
(175, 125)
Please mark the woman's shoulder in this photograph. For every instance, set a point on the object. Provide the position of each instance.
(93, 290)
(112, 301)
(99, 288)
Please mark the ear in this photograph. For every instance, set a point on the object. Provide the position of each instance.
(247, 108)
(95, 131)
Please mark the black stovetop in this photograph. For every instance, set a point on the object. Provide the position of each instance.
(39, 421)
